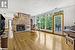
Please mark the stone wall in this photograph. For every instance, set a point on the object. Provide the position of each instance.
(21, 18)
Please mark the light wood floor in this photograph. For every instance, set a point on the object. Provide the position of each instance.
(37, 41)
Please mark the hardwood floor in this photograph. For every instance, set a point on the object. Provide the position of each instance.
(38, 41)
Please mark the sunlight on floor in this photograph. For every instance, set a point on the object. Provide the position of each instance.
(39, 41)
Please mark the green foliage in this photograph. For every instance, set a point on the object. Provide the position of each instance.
(45, 21)
(49, 22)
(57, 20)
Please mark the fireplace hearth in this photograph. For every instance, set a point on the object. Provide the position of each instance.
(20, 27)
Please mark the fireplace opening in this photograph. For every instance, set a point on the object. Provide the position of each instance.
(20, 27)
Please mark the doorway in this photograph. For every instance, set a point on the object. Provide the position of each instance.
(58, 23)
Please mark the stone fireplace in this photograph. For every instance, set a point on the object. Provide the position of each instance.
(21, 22)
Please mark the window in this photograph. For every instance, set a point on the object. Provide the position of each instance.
(41, 22)
(49, 22)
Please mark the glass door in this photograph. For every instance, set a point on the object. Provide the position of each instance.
(58, 24)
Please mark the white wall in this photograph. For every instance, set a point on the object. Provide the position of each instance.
(69, 16)
(10, 35)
